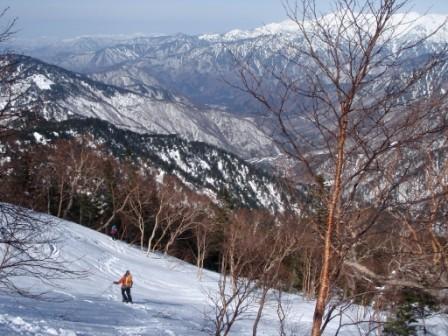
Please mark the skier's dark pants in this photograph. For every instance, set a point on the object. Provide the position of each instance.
(126, 293)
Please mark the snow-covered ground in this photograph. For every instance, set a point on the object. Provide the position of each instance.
(169, 299)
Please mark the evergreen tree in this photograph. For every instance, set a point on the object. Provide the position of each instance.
(415, 306)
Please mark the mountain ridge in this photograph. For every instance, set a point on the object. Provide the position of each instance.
(59, 94)
(200, 67)
(205, 168)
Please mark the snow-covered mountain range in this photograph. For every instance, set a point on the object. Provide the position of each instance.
(166, 100)
(180, 84)
(58, 94)
(412, 24)
(201, 67)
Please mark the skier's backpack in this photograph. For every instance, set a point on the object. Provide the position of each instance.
(128, 281)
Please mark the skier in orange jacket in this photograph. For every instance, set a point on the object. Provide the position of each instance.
(126, 285)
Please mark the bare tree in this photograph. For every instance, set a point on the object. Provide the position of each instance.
(118, 189)
(15, 110)
(165, 196)
(193, 213)
(27, 250)
(73, 165)
(350, 104)
(237, 284)
(141, 202)
(283, 241)
(174, 214)
(203, 230)
(7, 79)
(230, 305)
(26, 240)
(249, 270)
(236, 292)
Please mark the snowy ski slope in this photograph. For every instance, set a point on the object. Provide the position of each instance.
(169, 298)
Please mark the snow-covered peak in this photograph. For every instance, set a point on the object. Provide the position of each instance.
(411, 24)
(416, 25)
(284, 27)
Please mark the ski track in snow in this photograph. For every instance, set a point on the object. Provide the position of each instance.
(92, 305)
(169, 298)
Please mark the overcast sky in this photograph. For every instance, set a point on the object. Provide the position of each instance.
(69, 18)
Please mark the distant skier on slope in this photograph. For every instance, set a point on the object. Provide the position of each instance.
(126, 285)
(113, 232)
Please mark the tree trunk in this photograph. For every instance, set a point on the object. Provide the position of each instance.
(48, 201)
(61, 197)
(324, 281)
(142, 231)
(69, 204)
(260, 310)
(154, 229)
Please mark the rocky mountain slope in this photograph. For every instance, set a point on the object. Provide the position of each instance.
(205, 168)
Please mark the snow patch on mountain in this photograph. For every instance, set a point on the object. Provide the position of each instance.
(42, 82)
(40, 138)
